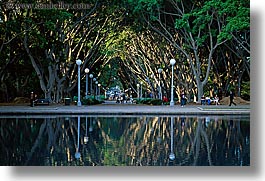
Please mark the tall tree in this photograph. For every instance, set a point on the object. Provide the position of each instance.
(196, 29)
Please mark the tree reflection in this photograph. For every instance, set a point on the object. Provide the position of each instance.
(132, 141)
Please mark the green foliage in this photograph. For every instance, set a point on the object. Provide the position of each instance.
(245, 91)
(183, 22)
(91, 101)
(144, 5)
(236, 15)
(148, 101)
(51, 31)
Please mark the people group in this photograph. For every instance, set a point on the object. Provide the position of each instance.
(183, 99)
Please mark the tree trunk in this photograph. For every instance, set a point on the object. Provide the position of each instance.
(35, 66)
(200, 90)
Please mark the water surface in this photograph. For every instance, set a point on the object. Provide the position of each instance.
(125, 141)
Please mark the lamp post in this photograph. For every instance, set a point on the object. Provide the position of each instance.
(96, 89)
(86, 71)
(149, 83)
(78, 62)
(159, 83)
(141, 95)
(94, 79)
(172, 62)
(91, 77)
(99, 90)
(138, 94)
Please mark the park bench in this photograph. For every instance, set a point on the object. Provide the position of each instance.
(42, 101)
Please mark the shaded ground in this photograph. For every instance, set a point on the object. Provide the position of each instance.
(237, 100)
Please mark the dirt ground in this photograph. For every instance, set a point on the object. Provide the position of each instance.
(17, 101)
(237, 100)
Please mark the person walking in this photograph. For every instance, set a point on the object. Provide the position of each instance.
(231, 95)
(182, 99)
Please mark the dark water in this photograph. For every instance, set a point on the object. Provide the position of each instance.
(125, 141)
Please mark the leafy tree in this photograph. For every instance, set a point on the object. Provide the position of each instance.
(195, 29)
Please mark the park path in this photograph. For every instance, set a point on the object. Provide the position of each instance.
(112, 108)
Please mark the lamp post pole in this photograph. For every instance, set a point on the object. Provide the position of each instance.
(159, 82)
(138, 94)
(86, 71)
(96, 90)
(78, 62)
(99, 90)
(91, 77)
(172, 62)
(141, 95)
(94, 79)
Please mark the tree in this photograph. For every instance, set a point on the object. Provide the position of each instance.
(195, 29)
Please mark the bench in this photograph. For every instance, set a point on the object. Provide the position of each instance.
(42, 101)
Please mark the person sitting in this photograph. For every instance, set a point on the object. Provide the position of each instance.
(208, 100)
(165, 99)
(216, 100)
(203, 101)
(118, 99)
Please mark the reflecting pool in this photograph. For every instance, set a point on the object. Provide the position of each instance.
(125, 141)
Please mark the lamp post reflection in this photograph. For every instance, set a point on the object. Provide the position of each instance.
(90, 125)
(171, 155)
(77, 153)
(86, 137)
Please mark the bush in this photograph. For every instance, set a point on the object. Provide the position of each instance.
(245, 92)
(148, 101)
(75, 98)
(91, 101)
(156, 102)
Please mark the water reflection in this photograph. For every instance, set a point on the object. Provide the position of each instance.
(171, 155)
(128, 141)
(77, 153)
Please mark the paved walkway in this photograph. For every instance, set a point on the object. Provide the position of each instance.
(111, 108)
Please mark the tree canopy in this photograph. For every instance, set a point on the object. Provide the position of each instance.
(128, 40)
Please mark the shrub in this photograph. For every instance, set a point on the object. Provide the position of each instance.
(148, 101)
(245, 92)
(156, 102)
(91, 101)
